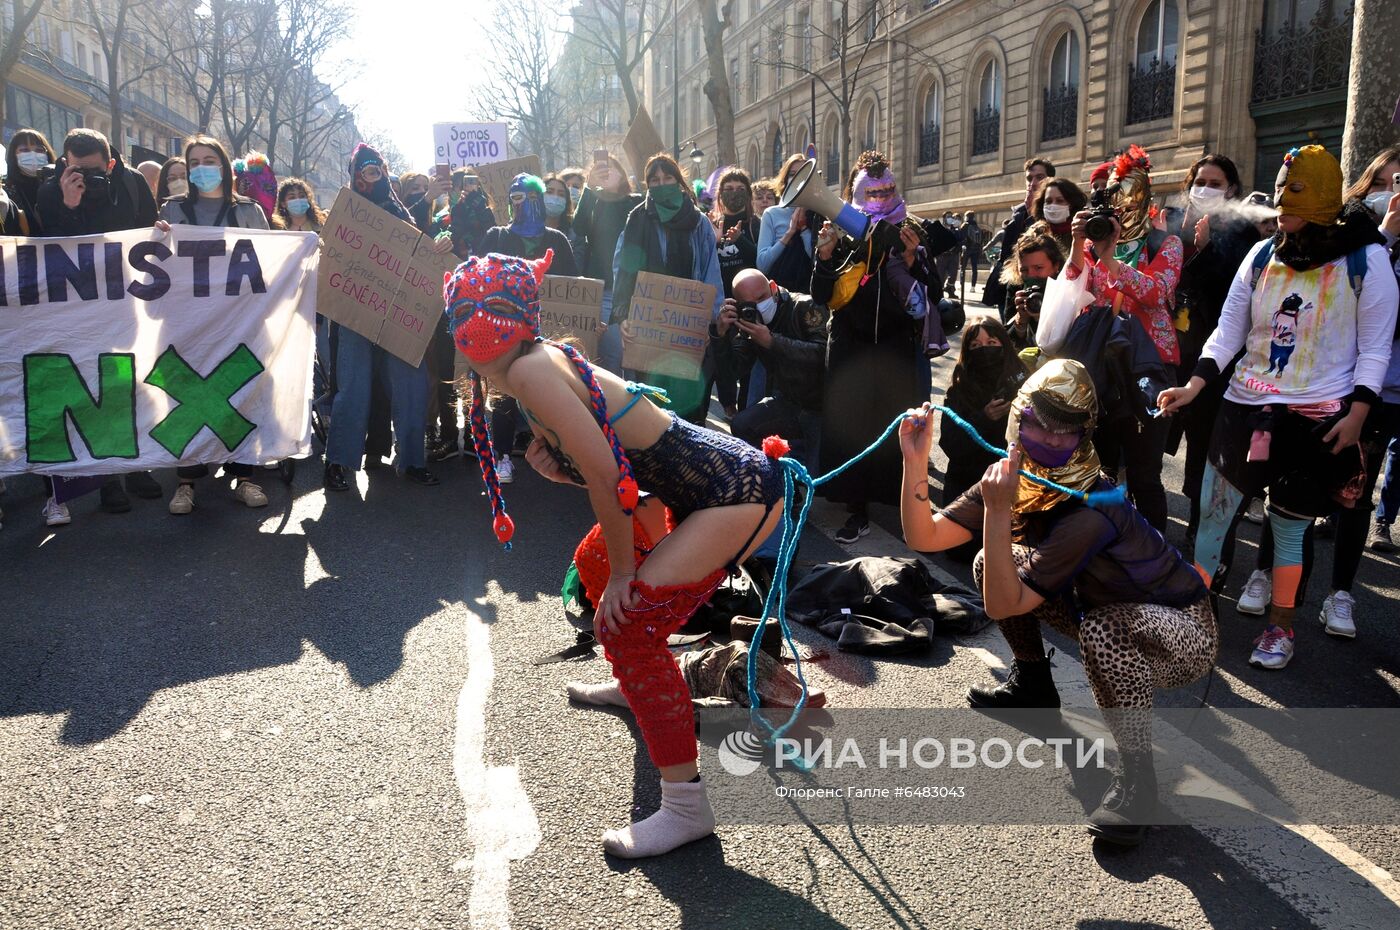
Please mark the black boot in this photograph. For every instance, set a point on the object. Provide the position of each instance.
(1028, 685)
(334, 478)
(114, 499)
(1129, 804)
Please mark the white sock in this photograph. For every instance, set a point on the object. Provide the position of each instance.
(604, 693)
(685, 816)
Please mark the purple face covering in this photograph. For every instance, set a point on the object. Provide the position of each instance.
(1039, 452)
(889, 209)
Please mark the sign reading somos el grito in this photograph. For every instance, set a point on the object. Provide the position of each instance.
(380, 278)
(137, 350)
(462, 144)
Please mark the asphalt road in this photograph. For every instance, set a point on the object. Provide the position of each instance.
(326, 714)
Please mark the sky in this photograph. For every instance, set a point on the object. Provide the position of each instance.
(415, 61)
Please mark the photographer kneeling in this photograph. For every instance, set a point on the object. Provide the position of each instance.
(786, 332)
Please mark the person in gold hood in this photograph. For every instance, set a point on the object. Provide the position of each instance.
(1100, 574)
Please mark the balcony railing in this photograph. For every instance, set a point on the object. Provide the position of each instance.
(986, 130)
(928, 144)
(1060, 119)
(1301, 60)
(1151, 92)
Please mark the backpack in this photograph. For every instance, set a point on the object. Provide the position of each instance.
(1356, 267)
(974, 236)
(1123, 361)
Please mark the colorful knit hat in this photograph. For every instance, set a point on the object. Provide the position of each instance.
(1309, 185)
(493, 305)
(254, 178)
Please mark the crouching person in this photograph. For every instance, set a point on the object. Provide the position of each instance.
(1100, 574)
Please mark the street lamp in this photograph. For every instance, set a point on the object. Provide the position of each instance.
(697, 157)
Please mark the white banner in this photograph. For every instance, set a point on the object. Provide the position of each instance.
(461, 144)
(141, 349)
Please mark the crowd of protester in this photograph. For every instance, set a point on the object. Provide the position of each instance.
(1201, 323)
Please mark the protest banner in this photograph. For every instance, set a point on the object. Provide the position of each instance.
(570, 308)
(461, 144)
(641, 142)
(496, 178)
(138, 350)
(668, 327)
(380, 278)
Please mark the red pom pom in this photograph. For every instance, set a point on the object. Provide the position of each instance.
(627, 493)
(776, 447)
(505, 527)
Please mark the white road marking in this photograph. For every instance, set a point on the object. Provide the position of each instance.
(501, 823)
(1318, 875)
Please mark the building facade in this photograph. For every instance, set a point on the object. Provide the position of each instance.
(959, 93)
(60, 83)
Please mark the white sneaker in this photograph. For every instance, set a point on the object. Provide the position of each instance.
(250, 494)
(1258, 591)
(505, 470)
(182, 501)
(1336, 615)
(1273, 649)
(56, 514)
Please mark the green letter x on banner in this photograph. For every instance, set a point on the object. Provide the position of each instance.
(203, 401)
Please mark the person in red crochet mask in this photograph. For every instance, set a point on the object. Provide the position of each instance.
(614, 439)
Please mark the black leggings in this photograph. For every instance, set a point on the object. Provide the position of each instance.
(1138, 448)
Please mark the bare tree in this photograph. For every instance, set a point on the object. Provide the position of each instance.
(22, 16)
(307, 31)
(314, 115)
(520, 91)
(127, 63)
(848, 37)
(384, 144)
(206, 47)
(623, 30)
(715, 20)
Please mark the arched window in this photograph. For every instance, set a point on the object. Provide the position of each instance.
(930, 129)
(1060, 119)
(986, 118)
(833, 151)
(870, 128)
(1152, 75)
(804, 137)
(778, 153)
(755, 160)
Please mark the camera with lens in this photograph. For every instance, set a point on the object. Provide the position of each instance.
(97, 182)
(1099, 226)
(748, 312)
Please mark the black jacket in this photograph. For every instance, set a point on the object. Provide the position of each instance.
(994, 294)
(796, 361)
(471, 218)
(129, 206)
(502, 240)
(1206, 276)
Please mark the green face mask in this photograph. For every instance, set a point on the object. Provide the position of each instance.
(667, 198)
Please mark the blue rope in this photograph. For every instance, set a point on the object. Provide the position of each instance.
(775, 605)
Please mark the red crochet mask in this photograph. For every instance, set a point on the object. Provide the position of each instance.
(493, 303)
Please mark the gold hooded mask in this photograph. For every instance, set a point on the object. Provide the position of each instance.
(1133, 199)
(1061, 396)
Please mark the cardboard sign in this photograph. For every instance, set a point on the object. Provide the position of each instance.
(570, 309)
(380, 278)
(641, 142)
(496, 178)
(462, 144)
(668, 328)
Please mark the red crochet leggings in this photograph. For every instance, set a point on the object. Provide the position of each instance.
(641, 663)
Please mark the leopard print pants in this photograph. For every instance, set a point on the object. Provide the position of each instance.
(1127, 649)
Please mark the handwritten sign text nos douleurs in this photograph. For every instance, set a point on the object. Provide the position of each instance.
(379, 278)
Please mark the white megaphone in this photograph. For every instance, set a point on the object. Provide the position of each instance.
(807, 189)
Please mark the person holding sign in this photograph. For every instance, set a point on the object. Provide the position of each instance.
(667, 234)
(358, 362)
(599, 219)
(607, 435)
(527, 236)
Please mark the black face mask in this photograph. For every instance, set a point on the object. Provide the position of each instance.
(984, 361)
(734, 201)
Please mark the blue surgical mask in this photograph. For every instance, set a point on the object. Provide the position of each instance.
(30, 162)
(207, 177)
(1377, 203)
(575, 193)
(298, 206)
(554, 205)
(767, 309)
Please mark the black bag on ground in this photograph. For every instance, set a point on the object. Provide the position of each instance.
(883, 606)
